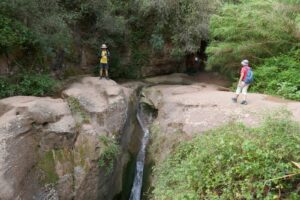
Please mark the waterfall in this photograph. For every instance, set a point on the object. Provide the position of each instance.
(138, 179)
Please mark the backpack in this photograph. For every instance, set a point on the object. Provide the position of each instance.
(249, 77)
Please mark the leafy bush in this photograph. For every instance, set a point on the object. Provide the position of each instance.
(279, 76)
(28, 84)
(109, 153)
(252, 29)
(235, 162)
(139, 57)
(13, 35)
(182, 23)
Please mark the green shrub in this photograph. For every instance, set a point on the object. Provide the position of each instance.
(279, 76)
(13, 35)
(234, 162)
(29, 84)
(109, 153)
(252, 29)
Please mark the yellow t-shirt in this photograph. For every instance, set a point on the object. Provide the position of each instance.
(103, 57)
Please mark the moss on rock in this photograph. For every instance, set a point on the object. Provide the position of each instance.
(47, 168)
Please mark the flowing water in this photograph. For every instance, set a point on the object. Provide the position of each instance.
(138, 179)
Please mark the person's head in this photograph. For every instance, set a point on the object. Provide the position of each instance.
(245, 62)
(103, 46)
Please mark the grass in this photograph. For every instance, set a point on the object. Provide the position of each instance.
(47, 167)
(234, 162)
(76, 109)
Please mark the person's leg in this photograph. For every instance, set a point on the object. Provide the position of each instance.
(244, 92)
(101, 70)
(237, 93)
(106, 71)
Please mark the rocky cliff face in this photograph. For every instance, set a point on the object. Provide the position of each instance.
(50, 148)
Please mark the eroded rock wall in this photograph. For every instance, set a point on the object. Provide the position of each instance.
(50, 148)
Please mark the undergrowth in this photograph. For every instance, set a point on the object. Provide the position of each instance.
(279, 76)
(29, 83)
(235, 162)
(109, 153)
(76, 109)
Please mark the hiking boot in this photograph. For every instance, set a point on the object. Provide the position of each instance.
(244, 103)
(107, 78)
(100, 77)
(234, 100)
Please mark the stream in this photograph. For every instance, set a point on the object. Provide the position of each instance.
(143, 120)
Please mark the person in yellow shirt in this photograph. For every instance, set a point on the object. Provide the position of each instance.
(104, 55)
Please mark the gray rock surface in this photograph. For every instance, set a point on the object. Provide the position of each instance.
(49, 148)
(187, 110)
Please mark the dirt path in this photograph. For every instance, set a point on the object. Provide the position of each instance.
(206, 104)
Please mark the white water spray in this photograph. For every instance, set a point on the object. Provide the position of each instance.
(138, 179)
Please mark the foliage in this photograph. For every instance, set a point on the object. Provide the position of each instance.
(56, 32)
(252, 29)
(76, 108)
(34, 84)
(279, 76)
(99, 21)
(72, 71)
(13, 35)
(139, 56)
(184, 23)
(157, 42)
(46, 19)
(61, 27)
(109, 153)
(234, 162)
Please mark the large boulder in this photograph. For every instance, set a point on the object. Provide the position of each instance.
(50, 148)
(105, 105)
(30, 126)
(105, 102)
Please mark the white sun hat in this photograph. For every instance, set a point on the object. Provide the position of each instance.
(245, 62)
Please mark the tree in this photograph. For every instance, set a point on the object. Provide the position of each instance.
(183, 23)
